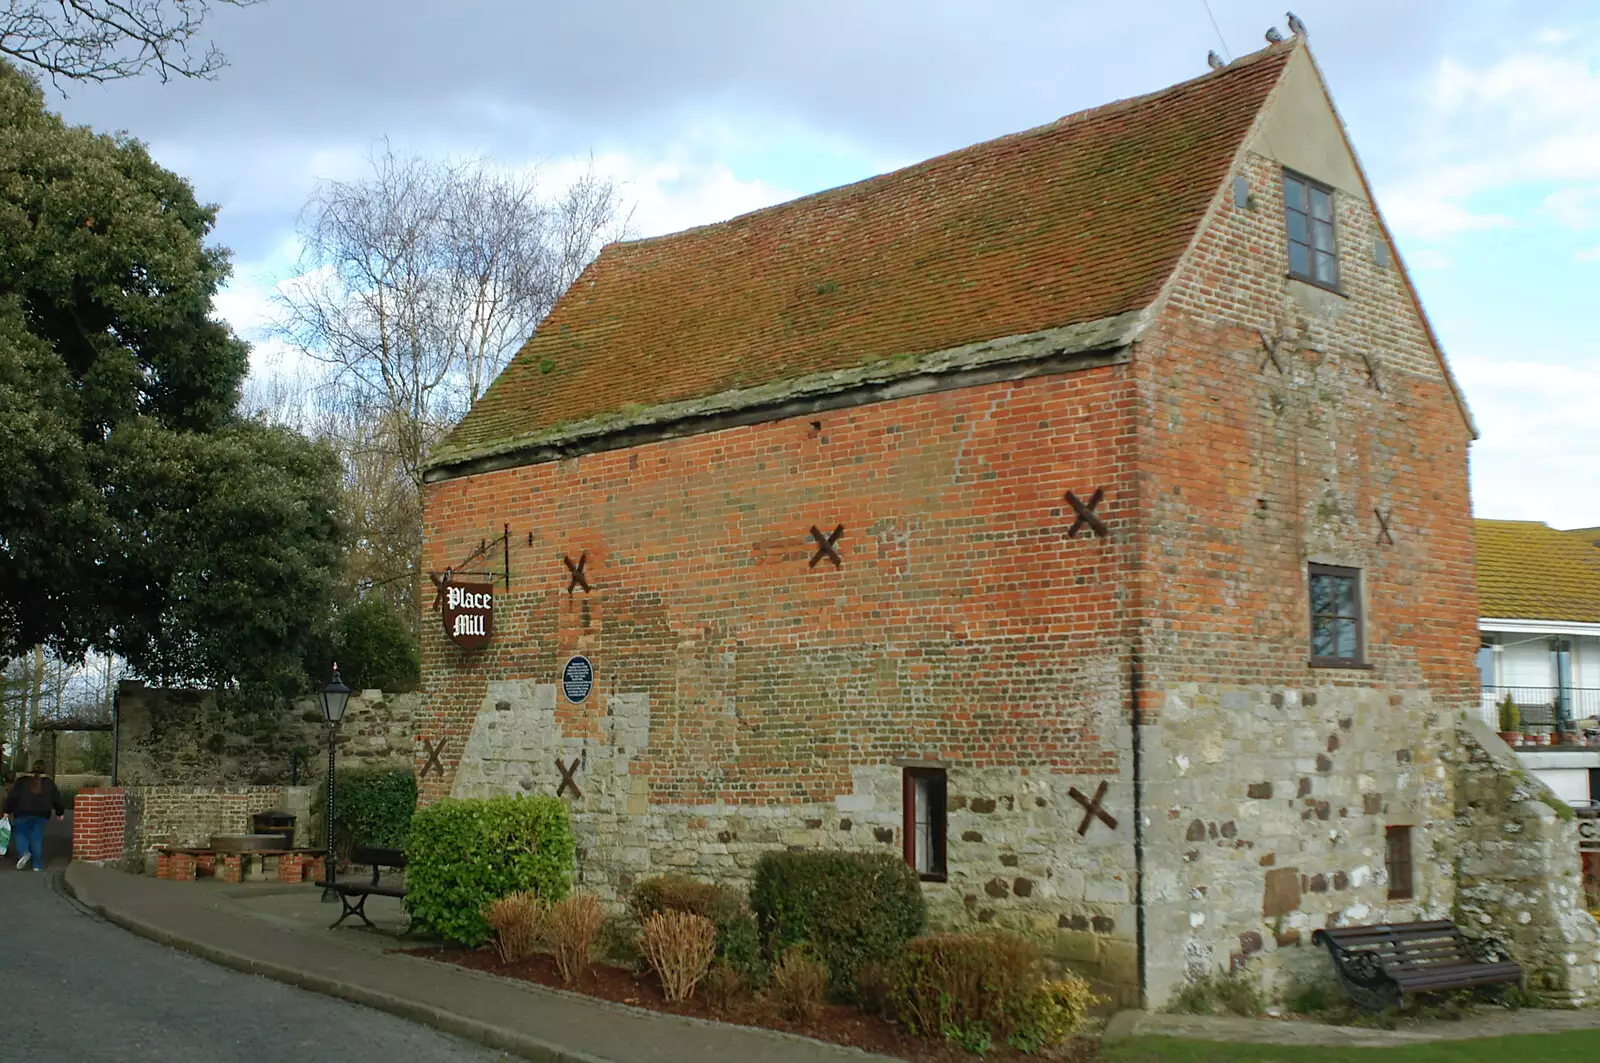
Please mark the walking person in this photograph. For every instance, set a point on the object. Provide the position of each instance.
(30, 804)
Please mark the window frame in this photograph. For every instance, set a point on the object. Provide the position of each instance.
(1307, 211)
(938, 820)
(1313, 570)
(1397, 839)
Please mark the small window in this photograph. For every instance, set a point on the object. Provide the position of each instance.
(1398, 863)
(1308, 213)
(925, 816)
(1336, 635)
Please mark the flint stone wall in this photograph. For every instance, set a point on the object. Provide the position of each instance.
(1520, 879)
(1015, 858)
(185, 738)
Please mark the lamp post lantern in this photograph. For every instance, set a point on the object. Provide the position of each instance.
(334, 698)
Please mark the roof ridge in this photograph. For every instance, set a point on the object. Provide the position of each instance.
(1098, 111)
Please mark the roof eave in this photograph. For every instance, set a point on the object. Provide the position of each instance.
(1062, 349)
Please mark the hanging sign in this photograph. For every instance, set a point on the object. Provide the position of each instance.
(577, 679)
(469, 614)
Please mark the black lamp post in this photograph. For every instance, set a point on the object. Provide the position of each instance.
(334, 698)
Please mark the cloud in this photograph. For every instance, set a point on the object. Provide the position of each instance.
(1529, 463)
(1587, 254)
(1424, 216)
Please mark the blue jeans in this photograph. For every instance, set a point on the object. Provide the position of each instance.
(28, 833)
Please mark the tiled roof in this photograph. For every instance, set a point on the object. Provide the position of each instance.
(1072, 222)
(1530, 571)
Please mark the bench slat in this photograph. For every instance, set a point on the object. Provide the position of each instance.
(378, 891)
(1418, 957)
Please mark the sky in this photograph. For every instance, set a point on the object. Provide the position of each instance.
(1477, 121)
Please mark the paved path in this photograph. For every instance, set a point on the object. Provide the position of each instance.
(80, 989)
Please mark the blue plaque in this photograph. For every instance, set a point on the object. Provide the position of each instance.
(577, 679)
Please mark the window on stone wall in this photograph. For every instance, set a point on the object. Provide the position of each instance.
(1337, 638)
(925, 816)
(1398, 863)
(1308, 213)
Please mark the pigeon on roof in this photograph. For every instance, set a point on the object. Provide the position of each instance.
(1215, 60)
(1296, 27)
(1273, 36)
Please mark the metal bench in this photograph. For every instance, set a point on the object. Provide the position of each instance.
(353, 895)
(1379, 964)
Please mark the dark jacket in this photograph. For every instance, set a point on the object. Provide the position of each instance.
(22, 801)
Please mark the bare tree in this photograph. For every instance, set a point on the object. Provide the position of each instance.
(415, 286)
(104, 40)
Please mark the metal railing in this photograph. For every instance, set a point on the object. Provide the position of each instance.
(1542, 708)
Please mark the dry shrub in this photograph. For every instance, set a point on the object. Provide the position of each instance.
(798, 982)
(679, 947)
(570, 926)
(518, 921)
(725, 986)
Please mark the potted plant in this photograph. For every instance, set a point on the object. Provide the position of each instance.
(1510, 721)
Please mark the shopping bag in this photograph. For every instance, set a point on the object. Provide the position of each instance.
(5, 834)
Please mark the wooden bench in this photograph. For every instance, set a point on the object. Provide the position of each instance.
(1379, 964)
(360, 891)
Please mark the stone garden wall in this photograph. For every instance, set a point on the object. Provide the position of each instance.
(1519, 877)
(185, 738)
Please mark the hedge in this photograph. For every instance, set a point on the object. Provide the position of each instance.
(463, 854)
(850, 909)
(986, 989)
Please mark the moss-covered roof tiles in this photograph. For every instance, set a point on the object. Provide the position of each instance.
(1076, 221)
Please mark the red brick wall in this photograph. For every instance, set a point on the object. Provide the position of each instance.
(1269, 782)
(98, 817)
(1252, 471)
(958, 627)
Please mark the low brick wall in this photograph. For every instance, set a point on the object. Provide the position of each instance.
(99, 823)
(125, 824)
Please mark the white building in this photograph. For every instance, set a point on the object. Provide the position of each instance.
(1539, 591)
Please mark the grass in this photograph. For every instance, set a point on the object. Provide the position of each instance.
(1579, 1046)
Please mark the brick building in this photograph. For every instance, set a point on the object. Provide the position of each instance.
(1082, 514)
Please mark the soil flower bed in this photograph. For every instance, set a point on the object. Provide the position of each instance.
(838, 1023)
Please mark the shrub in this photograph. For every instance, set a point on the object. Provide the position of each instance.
(372, 807)
(738, 943)
(679, 947)
(798, 982)
(979, 989)
(724, 987)
(950, 983)
(618, 942)
(1510, 715)
(570, 926)
(376, 649)
(1052, 1013)
(849, 908)
(518, 922)
(874, 985)
(463, 854)
(1236, 993)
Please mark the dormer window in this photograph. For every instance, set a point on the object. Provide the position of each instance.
(1308, 213)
